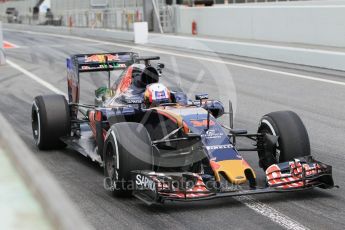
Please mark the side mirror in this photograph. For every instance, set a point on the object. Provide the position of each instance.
(215, 107)
(160, 66)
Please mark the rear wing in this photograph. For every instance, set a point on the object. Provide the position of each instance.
(101, 62)
(81, 63)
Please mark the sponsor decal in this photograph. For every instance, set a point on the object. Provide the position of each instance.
(134, 101)
(202, 123)
(144, 182)
(216, 147)
(103, 66)
(201, 96)
(101, 58)
(212, 134)
(85, 67)
(122, 65)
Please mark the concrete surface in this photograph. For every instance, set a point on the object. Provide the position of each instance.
(256, 87)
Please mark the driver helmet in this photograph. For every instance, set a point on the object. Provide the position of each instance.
(156, 94)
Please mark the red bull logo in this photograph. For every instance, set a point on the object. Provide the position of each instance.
(101, 58)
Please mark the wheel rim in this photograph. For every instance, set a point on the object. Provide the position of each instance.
(36, 127)
(276, 154)
(110, 162)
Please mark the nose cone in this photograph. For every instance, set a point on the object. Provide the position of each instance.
(234, 170)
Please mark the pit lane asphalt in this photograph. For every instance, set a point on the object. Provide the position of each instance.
(320, 105)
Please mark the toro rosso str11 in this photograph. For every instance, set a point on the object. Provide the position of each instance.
(175, 149)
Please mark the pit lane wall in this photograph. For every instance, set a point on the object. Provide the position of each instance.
(308, 33)
(305, 22)
(30, 197)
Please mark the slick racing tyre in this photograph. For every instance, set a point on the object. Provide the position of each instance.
(127, 148)
(293, 139)
(50, 118)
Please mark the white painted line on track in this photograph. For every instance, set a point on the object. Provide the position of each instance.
(35, 77)
(271, 213)
(149, 49)
(257, 206)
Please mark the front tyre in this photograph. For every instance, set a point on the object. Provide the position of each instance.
(293, 140)
(127, 148)
(50, 118)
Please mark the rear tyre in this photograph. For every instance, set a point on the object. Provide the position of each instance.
(127, 148)
(50, 118)
(293, 140)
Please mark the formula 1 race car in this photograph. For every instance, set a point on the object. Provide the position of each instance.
(174, 150)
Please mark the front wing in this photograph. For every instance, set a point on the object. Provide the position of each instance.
(300, 174)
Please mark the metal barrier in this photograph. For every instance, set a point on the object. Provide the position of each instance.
(119, 14)
(116, 18)
(112, 18)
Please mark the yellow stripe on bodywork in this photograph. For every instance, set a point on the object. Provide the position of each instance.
(233, 170)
